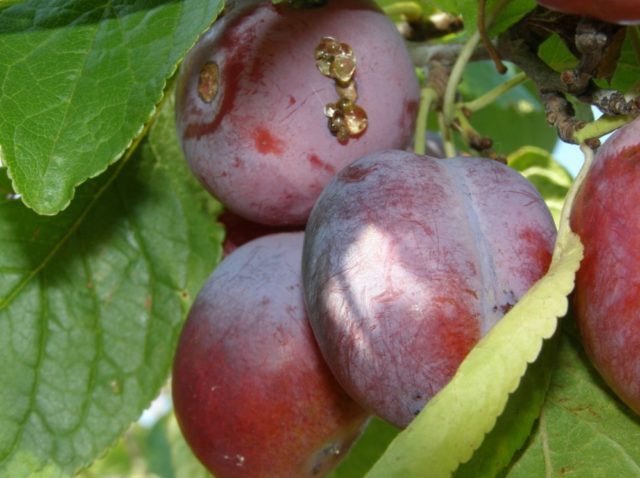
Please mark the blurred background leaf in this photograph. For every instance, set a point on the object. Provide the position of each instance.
(515, 119)
(155, 452)
(551, 179)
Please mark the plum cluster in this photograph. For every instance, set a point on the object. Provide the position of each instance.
(357, 275)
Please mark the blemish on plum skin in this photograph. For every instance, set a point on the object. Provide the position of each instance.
(411, 108)
(317, 163)
(355, 174)
(237, 162)
(267, 143)
(236, 47)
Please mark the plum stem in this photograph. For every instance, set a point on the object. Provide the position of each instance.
(486, 41)
(447, 141)
(491, 95)
(600, 127)
(474, 139)
(448, 107)
(465, 55)
(568, 203)
(427, 96)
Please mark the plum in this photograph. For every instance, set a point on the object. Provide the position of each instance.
(251, 392)
(408, 260)
(273, 99)
(605, 214)
(613, 11)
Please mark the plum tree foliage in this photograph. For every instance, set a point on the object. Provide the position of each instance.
(108, 236)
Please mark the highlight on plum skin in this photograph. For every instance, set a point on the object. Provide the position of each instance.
(606, 215)
(408, 261)
(251, 392)
(264, 129)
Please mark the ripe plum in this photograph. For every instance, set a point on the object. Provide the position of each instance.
(252, 395)
(408, 261)
(254, 96)
(605, 214)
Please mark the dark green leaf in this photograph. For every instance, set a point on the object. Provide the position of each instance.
(584, 430)
(554, 52)
(79, 81)
(92, 301)
(367, 450)
(627, 75)
(504, 14)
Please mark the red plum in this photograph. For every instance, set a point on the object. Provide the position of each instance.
(251, 392)
(274, 100)
(605, 214)
(408, 261)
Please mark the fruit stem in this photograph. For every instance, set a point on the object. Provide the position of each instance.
(600, 127)
(568, 203)
(490, 96)
(445, 133)
(448, 107)
(427, 96)
(411, 11)
(473, 139)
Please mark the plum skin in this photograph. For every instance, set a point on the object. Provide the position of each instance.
(408, 261)
(605, 216)
(251, 392)
(263, 146)
(625, 12)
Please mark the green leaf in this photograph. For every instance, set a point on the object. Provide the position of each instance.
(79, 81)
(583, 430)
(515, 119)
(554, 52)
(515, 423)
(550, 178)
(509, 13)
(367, 450)
(626, 78)
(92, 301)
(454, 423)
